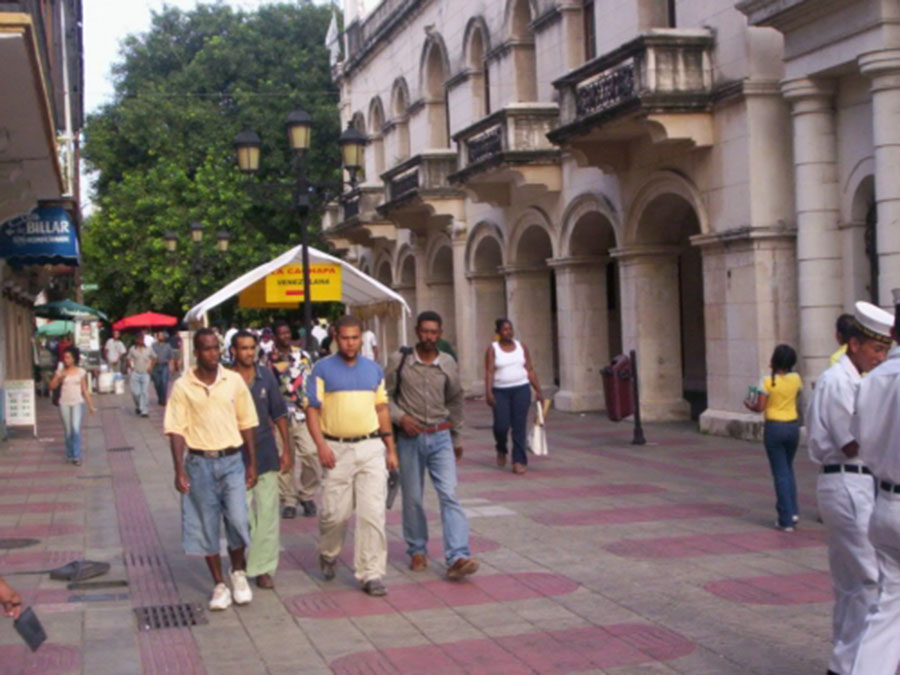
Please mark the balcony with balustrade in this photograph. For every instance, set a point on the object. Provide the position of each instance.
(418, 192)
(354, 218)
(509, 150)
(659, 85)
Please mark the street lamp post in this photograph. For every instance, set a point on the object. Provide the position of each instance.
(299, 131)
(223, 240)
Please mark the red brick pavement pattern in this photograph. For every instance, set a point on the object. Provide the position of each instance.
(50, 659)
(467, 476)
(24, 561)
(40, 489)
(150, 580)
(732, 543)
(784, 589)
(40, 531)
(637, 514)
(560, 651)
(571, 492)
(432, 594)
(36, 475)
(38, 507)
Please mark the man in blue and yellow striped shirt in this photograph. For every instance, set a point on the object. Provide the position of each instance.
(350, 423)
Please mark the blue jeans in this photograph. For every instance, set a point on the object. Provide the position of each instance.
(511, 410)
(218, 489)
(140, 391)
(161, 382)
(781, 440)
(435, 453)
(71, 421)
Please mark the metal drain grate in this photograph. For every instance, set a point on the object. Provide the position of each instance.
(143, 560)
(18, 543)
(170, 616)
(123, 448)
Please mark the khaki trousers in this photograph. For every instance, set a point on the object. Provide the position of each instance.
(265, 525)
(304, 481)
(359, 477)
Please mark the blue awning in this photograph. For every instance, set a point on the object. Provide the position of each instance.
(46, 236)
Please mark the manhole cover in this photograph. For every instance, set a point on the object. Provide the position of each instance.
(170, 616)
(123, 448)
(18, 543)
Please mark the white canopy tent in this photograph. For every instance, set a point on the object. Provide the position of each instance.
(360, 292)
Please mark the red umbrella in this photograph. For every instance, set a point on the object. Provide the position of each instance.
(145, 320)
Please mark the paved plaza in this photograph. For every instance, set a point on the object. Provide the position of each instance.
(604, 558)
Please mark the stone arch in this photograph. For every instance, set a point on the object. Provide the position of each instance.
(439, 275)
(434, 70)
(667, 184)
(405, 284)
(387, 330)
(400, 119)
(518, 15)
(532, 217)
(482, 233)
(484, 263)
(476, 45)
(861, 243)
(596, 209)
(520, 36)
(358, 121)
(663, 290)
(376, 134)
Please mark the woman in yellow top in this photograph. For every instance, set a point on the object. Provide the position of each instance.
(778, 401)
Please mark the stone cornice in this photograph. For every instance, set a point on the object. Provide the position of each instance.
(524, 270)
(626, 254)
(578, 261)
(744, 234)
(788, 15)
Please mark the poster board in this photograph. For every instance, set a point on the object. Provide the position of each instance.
(286, 283)
(19, 404)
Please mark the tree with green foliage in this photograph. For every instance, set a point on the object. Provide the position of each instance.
(163, 157)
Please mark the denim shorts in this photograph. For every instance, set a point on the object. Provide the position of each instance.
(218, 489)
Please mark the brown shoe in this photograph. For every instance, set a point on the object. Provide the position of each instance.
(501, 459)
(518, 468)
(265, 581)
(461, 568)
(418, 563)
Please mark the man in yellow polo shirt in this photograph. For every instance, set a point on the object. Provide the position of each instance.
(349, 420)
(211, 414)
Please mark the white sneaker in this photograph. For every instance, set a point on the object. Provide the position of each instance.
(242, 592)
(221, 598)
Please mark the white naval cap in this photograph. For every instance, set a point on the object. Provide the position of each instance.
(874, 322)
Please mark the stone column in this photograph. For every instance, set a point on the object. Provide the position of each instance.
(651, 320)
(583, 331)
(883, 68)
(819, 267)
(489, 304)
(466, 349)
(528, 300)
(423, 295)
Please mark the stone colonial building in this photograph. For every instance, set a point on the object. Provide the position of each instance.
(620, 174)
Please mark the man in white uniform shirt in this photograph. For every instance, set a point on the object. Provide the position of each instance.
(876, 426)
(845, 489)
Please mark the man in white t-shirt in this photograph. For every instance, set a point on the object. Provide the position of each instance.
(369, 347)
(114, 349)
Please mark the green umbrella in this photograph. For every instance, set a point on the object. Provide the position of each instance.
(56, 328)
(67, 309)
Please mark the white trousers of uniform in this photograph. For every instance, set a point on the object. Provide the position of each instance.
(303, 482)
(845, 502)
(359, 477)
(879, 649)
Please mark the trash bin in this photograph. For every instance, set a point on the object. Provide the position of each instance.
(617, 388)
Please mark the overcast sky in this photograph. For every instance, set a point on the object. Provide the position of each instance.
(108, 22)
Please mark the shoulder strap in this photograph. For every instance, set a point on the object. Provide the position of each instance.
(406, 351)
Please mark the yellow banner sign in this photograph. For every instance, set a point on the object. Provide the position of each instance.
(286, 284)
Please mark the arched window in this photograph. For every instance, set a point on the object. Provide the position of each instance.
(589, 28)
(871, 238)
(478, 73)
(433, 77)
(522, 38)
(399, 121)
(376, 137)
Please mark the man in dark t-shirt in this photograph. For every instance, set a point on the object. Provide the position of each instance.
(270, 407)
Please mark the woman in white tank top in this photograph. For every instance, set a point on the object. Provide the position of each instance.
(508, 379)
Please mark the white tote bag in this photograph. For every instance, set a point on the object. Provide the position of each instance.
(538, 440)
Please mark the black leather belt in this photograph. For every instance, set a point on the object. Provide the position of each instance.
(214, 454)
(352, 439)
(890, 487)
(846, 468)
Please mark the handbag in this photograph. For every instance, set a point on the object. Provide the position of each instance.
(538, 441)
